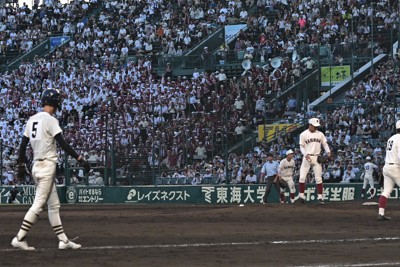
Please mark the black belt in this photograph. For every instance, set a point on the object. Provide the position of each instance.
(313, 154)
(393, 164)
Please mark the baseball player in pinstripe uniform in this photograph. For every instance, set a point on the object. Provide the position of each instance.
(368, 177)
(42, 131)
(391, 171)
(310, 142)
(285, 172)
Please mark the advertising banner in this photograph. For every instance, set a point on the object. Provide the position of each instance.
(333, 75)
(204, 194)
(26, 195)
(270, 131)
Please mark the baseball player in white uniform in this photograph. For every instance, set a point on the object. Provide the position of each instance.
(391, 171)
(369, 177)
(310, 142)
(42, 131)
(285, 172)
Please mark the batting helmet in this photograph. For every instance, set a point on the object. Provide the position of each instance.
(51, 97)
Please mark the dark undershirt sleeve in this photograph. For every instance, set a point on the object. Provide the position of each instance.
(22, 149)
(64, 145)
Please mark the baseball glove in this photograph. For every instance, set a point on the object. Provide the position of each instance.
(84, 164)
(283, 184)
(20, 171)
(321, 159)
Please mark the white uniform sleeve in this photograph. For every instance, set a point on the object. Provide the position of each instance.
(398, 151)
(54, 127)
(302, 143)
(301, 140)
(280, 167)
(302, 150)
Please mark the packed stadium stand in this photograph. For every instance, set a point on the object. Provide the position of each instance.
(148, 100)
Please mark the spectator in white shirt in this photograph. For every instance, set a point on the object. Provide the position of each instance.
(239, 130)
(239, 104)
(197, 179)
(251, 178)
(348, 175)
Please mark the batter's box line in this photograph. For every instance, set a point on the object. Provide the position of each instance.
(221, 244)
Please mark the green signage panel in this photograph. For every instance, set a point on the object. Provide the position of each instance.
(333, 75)
(207, 194)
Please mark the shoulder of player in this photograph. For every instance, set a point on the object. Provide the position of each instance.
(49, 117)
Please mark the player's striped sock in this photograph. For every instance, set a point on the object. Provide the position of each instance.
(59, 231)
(29, 220)
(55, 221)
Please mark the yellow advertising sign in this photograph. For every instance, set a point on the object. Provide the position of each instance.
(270, 131)
(333, 75)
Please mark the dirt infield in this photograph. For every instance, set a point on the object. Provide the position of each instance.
(337, 234)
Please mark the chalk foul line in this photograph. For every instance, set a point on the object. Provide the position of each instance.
(221, 244)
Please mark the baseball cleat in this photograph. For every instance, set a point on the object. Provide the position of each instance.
(383, 218)
(21, 244)
(68, 245)
(321, 202)
(302, 200)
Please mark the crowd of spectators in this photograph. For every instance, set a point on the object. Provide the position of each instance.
(355, 129)
(165, 121)
(23, 27)
(299, 33)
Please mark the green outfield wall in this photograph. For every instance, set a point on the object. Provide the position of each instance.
(204, 194)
